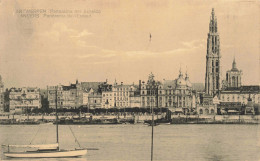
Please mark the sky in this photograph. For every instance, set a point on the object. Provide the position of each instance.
(112, 40)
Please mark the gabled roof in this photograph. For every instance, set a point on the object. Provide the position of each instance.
(88, 85)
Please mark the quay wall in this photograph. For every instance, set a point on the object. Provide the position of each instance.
(176, 119)
(216, 119)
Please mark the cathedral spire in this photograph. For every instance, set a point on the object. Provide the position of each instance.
(212, 77)
(213, 22)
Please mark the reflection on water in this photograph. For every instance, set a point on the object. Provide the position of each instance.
(132, 142)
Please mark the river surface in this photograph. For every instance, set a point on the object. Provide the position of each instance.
(133, 142)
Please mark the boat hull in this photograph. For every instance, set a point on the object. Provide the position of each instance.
(48, 154)
(40, 146)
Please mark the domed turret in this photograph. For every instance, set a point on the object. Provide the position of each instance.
(188, 83)
(180, 82)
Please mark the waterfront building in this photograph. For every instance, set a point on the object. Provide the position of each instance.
(85, 96)
(67, 96)
(108, 99)
(22, 100)
(89, 88)
(241, 94)
(135, 98)
(212, 77)
(122, 94)
(149, 92)
(234, 95)
(2, 104)
(178, 95)
(95, 100)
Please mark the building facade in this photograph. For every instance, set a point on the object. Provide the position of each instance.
(149, 93)
(67, 96)
(108, 99)
(122, 95)
(212, 77)
(177, 95)
(24, 99)
(241, 94)
(95, 100)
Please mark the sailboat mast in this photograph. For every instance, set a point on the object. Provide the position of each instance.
(57, 128)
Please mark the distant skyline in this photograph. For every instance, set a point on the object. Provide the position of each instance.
(116, 44)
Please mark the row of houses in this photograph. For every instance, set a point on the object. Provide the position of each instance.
(179, 95)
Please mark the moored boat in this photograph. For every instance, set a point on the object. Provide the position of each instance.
(47, 154)
(49, 150)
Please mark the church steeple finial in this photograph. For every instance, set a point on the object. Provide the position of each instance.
(186, 74)
(234, 64)
(180, 73)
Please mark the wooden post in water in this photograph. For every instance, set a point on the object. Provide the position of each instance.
(152, 129)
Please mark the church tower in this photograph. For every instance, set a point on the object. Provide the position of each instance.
(233, 76)
(212, 78)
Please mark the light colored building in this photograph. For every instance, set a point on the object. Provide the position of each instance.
(108, 99)
(85, 96)
(177, 95)
(241, 94)
(23, 99)
(135, 99)
(234, 92)
(95, 100)
(122, 94)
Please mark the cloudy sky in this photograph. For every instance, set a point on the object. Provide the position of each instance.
(115, 43)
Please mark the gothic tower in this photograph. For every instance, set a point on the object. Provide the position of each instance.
(212, 78)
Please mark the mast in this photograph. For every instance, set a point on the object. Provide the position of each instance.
(57, 128)
(152, 131)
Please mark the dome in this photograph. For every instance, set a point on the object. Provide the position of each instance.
(181, 82)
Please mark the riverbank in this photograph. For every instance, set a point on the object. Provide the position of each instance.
(133, 119)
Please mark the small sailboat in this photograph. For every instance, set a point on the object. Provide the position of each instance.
(46, 151)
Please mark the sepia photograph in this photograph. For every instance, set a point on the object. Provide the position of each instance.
(130, 80)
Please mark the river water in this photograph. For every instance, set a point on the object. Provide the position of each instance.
(133, 142)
